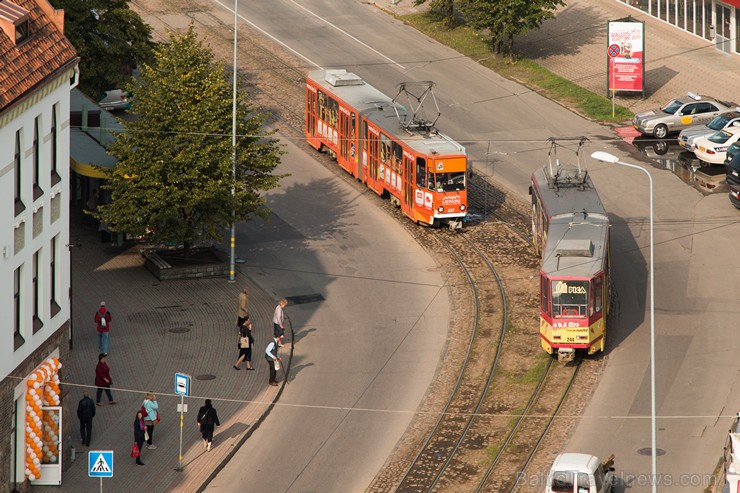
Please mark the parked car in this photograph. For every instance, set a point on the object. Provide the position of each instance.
(115, 99)
(732, 151)
(575, 473)
(713, 149)
(688, 136)
(732, 167)
(680, 113)
(735, 195)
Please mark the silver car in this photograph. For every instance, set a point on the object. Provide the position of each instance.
(680, 113)
(688, 136)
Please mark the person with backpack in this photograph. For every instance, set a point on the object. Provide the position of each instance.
(102, 320)
(245, 345)
(150, 410)
(207, 418)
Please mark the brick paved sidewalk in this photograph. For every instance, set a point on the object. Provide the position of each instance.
(158, 329)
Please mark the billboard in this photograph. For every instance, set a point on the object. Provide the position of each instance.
(626, 55)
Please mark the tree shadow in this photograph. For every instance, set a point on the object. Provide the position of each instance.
(576, 26)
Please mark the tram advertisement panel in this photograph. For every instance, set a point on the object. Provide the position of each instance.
(625, 54)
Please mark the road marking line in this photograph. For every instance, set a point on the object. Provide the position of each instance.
(347, 34)
(255, 26)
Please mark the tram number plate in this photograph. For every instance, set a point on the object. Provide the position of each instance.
(571, 339)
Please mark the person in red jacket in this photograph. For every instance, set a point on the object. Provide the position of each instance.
(102, 320)
(103, 380)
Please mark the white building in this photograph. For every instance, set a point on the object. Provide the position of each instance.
(38, 68)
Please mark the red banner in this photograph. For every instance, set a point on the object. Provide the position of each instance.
(626, 65)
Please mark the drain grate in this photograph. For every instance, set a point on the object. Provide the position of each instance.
(304, 298)
(178, 330)
(649, 451)
(205, 377)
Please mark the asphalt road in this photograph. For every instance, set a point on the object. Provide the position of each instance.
(364, 356)
(504, 126)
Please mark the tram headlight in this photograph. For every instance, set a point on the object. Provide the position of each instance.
(440, 209)
(462, 207)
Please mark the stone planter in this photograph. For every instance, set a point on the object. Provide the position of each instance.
(170, 263)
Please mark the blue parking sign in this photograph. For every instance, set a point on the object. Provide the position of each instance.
(100, 463)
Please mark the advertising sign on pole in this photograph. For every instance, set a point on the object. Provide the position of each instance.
(626, 55)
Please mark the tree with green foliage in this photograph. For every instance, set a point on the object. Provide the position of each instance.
(110, 38)
(173, 180)
(501, 20)
(443, 8)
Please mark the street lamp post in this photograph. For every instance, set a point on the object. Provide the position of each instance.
(233, 159)
(609, 158)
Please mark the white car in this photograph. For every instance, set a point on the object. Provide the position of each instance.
(578, 473)
(115, 99)
(713, 149)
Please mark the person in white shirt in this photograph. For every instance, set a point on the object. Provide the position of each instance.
(272, 357)
(278, 321)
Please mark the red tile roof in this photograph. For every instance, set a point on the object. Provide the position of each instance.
(41, 54)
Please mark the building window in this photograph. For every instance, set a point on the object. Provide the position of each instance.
(37, 191)
(19, 207)
(37, 322)
(17, 315)
(54, 308)
(21, 32)
(55, 178)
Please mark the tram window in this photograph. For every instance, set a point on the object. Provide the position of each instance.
(397, 157)
(421, 172)
(598, 288)
(385, 149)
(364, 134)
(448, 182)
(543, 295)
(322, 105)
(569, 298)
(562, 482)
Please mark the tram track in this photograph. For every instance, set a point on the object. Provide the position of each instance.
(492, 382)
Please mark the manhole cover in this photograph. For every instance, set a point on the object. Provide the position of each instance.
(178, 330)
(205, 377)
(649, 451)
(304, 298)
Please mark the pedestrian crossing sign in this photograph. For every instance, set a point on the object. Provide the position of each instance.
(100, 463)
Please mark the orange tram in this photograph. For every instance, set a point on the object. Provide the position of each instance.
(378, 142)
(570, 231)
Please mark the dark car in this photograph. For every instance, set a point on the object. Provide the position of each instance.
(735, 195)
(733, 170)
(732, 151)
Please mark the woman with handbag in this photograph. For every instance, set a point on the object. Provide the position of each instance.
(139, 437)
(150, 417)
(245, 345)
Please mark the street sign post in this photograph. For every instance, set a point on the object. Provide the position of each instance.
(182, 388)
(613, 52)
(100, 465)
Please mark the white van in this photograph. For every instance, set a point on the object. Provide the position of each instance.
(580, 473)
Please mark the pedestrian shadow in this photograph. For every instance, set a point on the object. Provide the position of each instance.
(295, 369)
(303, 333)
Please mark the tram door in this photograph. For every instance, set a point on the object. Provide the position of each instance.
(344, 142)
(408, 183)
(310, 112)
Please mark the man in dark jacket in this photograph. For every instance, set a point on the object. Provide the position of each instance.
(86, 413)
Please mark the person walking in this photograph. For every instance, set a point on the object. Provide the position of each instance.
(207, 418)
(278, 321)
(245, 345)
(86, 413)
(139, 435)
(150, 417)
(102, 320)
(273, 358)
(242, 308)
(103, 380)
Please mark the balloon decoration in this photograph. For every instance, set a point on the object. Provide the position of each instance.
(42, 428)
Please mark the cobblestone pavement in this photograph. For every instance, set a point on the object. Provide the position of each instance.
(158, 329)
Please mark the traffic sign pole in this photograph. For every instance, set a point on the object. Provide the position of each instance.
(182, 387)
(182, 422)
(613, 52)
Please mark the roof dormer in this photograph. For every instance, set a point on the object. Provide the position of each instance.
(14, 21)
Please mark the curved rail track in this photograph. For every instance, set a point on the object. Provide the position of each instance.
(468, 394)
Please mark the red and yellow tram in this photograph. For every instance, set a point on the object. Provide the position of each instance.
(570, 230)
(421, 170)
